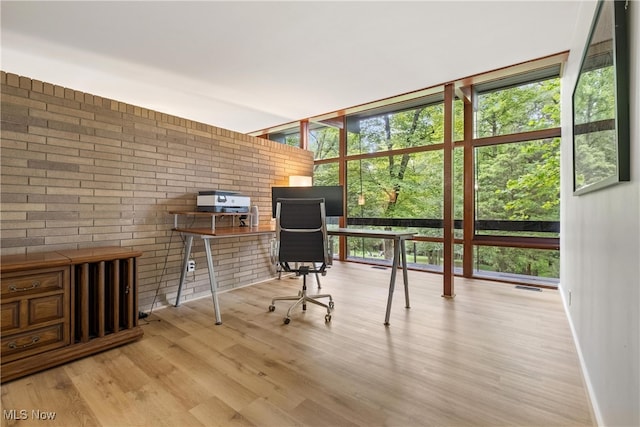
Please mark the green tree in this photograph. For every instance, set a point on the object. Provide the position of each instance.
(519, 181)
(515, 181)
(394, 180)
(324, 142)
(595, 137)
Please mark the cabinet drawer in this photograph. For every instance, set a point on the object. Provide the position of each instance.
(27, 284)
(10, 316)
(32, 342)
(45, 309)
(29, 312)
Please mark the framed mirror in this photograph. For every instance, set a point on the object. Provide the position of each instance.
(601, 103)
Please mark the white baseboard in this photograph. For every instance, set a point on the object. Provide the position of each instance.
(595, 409)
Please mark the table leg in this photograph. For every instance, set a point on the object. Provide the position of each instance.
(185, 262)
(392, 282)
(212, 282)
(405, 274)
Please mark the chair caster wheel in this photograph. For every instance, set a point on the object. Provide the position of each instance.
(327, 318)
(286, 320)
(331, 305)
(272, 307)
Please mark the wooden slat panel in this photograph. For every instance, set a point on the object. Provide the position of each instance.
(84, 302)
(130, 289)
(101, 298)
(115, 289)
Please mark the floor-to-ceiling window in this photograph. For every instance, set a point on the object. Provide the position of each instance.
(390, 160)
(394, 177)
(324, 141)
(517, 177)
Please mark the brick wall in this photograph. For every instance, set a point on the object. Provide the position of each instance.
(79, 170)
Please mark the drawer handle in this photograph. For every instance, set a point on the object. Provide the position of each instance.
(14, 345)
(34, 285)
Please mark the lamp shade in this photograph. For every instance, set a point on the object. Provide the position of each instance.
(300, 181)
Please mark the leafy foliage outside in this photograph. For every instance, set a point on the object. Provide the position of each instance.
(324, 142)
(288, 137)
(596, 155)
(518, 181)
(514, 181)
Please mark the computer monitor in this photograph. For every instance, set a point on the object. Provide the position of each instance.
(332, 195)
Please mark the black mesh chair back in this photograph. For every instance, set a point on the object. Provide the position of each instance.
(301, 230)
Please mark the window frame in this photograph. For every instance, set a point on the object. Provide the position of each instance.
(465, 90)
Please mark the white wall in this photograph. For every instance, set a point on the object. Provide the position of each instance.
(600, 256)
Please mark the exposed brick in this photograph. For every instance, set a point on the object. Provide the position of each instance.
(6, 197)
(53, 198)
(51, 231)
(13, 126)
(54, 217)
(70, 127)
(50, 182)
(13, 80)
(49, 115)
(48, 165)
(14, 110)
(21, 243)
(74, 190)
(80, 170)
(24, 101)
(75, 239)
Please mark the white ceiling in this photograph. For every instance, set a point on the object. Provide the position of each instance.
(246, 66)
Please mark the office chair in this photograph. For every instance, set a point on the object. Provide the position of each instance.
(273, 254)
(301, 242)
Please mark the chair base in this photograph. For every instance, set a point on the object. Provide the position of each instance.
(303, 298)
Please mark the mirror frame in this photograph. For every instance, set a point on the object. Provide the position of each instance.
(621, 91)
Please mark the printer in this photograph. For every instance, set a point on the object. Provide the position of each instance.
(223, 202)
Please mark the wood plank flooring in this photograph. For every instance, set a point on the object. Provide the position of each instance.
(494, 355)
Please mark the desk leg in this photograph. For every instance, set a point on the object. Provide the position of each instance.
(185, 262)
(392, 283)
(404, 274)
(212, 282)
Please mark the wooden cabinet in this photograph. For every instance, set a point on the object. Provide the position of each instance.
(35, 312)
(59, 306)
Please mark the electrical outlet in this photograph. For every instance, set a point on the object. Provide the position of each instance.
(191, 265)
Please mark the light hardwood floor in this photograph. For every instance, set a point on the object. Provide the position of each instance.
(494, 355)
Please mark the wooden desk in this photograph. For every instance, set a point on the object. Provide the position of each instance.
(208, 234)
(399, 254)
